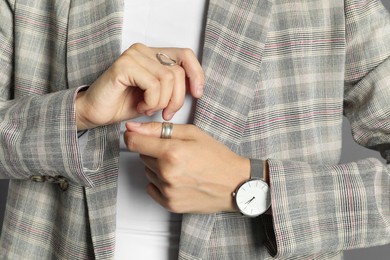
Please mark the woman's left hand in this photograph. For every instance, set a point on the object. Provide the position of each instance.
(189, 173)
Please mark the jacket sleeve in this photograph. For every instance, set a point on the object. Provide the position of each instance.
(6, 49)
(328, 208)
(38, 135)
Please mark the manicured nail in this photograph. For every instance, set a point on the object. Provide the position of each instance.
(150, 113)
(170, 116)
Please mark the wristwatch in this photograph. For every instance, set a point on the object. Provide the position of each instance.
(253, 196)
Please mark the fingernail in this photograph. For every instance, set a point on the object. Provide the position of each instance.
(170, 116)
(140, 111)
(150, 113)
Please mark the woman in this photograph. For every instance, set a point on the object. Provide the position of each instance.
(278, 78)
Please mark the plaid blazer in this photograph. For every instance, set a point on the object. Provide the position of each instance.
(280, 75)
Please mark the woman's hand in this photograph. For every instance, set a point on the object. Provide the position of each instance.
(137, 83)
(190, 173)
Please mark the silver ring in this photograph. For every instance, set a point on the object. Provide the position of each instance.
(165, 59)
(166, 130)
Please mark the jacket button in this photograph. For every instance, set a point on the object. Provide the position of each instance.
(63, 185)
(62, 182)
(50, 179)
(38, 178)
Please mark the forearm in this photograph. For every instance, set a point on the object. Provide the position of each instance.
(38, 136)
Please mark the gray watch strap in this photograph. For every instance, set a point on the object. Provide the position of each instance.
(257, 168)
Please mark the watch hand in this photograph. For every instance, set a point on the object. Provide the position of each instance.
(249, 201)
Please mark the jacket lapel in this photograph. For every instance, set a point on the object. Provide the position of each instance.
(234, 41)
(235, 36)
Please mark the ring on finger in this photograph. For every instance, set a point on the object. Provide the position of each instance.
(164, 59)
(166, 130)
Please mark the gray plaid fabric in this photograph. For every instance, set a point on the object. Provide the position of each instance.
(280, 76)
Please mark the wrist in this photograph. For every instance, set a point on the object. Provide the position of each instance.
(252, 197)
(242, 174)
(80, 118)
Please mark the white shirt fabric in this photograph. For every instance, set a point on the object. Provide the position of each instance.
(145, 230)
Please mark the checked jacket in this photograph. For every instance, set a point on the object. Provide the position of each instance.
(280, 77)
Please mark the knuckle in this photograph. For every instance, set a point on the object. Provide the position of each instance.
(167, 75)
(192, 129)
(168, 192)
(172, 155)
(179, 71)
(187, 52)
(152, 98)
(173, 206)
(162, 104)
(130, 142)
(137, 46)
(128, 54)
(154, 83)
(176, 103)
(165, 177)
(154, 126)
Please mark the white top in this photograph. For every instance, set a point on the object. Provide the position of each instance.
(145, 230)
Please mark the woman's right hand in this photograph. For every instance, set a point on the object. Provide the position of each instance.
(137, 83)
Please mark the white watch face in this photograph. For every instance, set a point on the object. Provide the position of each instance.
(253, 198)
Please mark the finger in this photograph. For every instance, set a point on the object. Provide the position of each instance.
(146, 145)
(152, 177)
(158, 86)
(179, 131)
(155, 194)
(149, 162)
(143, 74)
(145, 139)
(194, 72)
(193, 69)
(178, 93)
(168, 82)
(167, 85)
